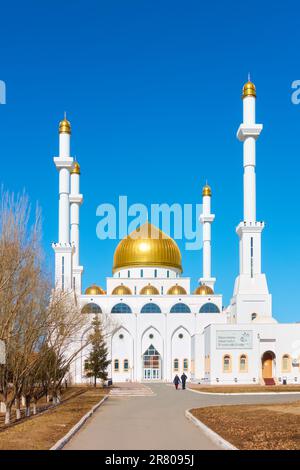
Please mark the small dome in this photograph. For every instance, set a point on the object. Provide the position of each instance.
(206, 191)
(176, 290)
(65, 126)
(94, 290)
(147, 246)
(249, 89)
(121, 290)
(203, 290)
(149, 290)
(76, 169)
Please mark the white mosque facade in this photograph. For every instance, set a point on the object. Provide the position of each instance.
(159, 327)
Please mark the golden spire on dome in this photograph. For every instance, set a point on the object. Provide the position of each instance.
(76, 169)
(206, 190)
(65, 125)
(249, 88)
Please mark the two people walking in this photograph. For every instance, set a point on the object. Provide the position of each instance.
(177, 381)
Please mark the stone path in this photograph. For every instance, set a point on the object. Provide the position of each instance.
(131, 390)
(156, 421)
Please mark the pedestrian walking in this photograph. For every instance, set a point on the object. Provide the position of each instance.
(176, 381)
(183, 380)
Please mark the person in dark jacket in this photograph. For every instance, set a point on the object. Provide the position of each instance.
(176, 381)
(183, 380)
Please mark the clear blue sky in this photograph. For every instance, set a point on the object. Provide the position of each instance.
(152, 89)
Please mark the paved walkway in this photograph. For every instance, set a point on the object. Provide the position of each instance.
(156, 421)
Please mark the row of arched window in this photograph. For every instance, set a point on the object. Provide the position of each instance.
(151, 308)
(185, 365)
(286, 363)
(117, 365)
(227, 363)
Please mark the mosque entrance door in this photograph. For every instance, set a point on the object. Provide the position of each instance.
(267, 365)
(151, 364)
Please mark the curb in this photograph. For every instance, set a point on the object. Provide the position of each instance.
(64, 440)
(249, 394)
(216, 438)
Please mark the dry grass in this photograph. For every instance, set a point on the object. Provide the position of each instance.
(244, 388)
(41, 432)
(255, 427)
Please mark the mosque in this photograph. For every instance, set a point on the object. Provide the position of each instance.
(160, 327)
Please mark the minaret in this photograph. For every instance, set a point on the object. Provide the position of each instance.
(63, 249)
(206, 218)
(75, 200)
(251, 298)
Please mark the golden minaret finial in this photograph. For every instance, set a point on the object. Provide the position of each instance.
(249, 88)
(65, 125)
(76, 168)
(206, 190)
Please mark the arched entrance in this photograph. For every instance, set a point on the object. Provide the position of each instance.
(267, 362)
(151, 364)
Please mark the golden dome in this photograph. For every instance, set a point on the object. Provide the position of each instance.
(203, 290)
(206, 191)
(76, 169)
(149, 290)
(121, 290)
(65, 126)
(94, 290)
(176, 290)
(147, 246)
(249, 89)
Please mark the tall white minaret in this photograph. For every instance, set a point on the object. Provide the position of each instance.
(251, 298)
(63, 249)
(206, 218)
(75, 200)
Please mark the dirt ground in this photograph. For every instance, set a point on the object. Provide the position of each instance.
(255, 427)
(41, 432)
(244, 388)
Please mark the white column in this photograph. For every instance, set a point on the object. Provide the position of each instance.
(75, 204)
(207, 219)
(63, 249)
(64, 205)
(76, 200)
(249, 161)
(251, 293)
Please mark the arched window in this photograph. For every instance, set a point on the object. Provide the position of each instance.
(243, 363)
(176, 365)
(155, 272)
(121, 308)
(126, 365)
(185, 364)
(209, 308)
(116, 365)
(286, 363)
(91, 308)
(253, 316)
(227, 363)
(150, 308)
(180, 308)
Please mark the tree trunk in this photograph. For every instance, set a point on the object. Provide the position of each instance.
(2, 407)
(34, 411)
(18, 411)
(27, 404)
(95, 381)
(7, 416)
